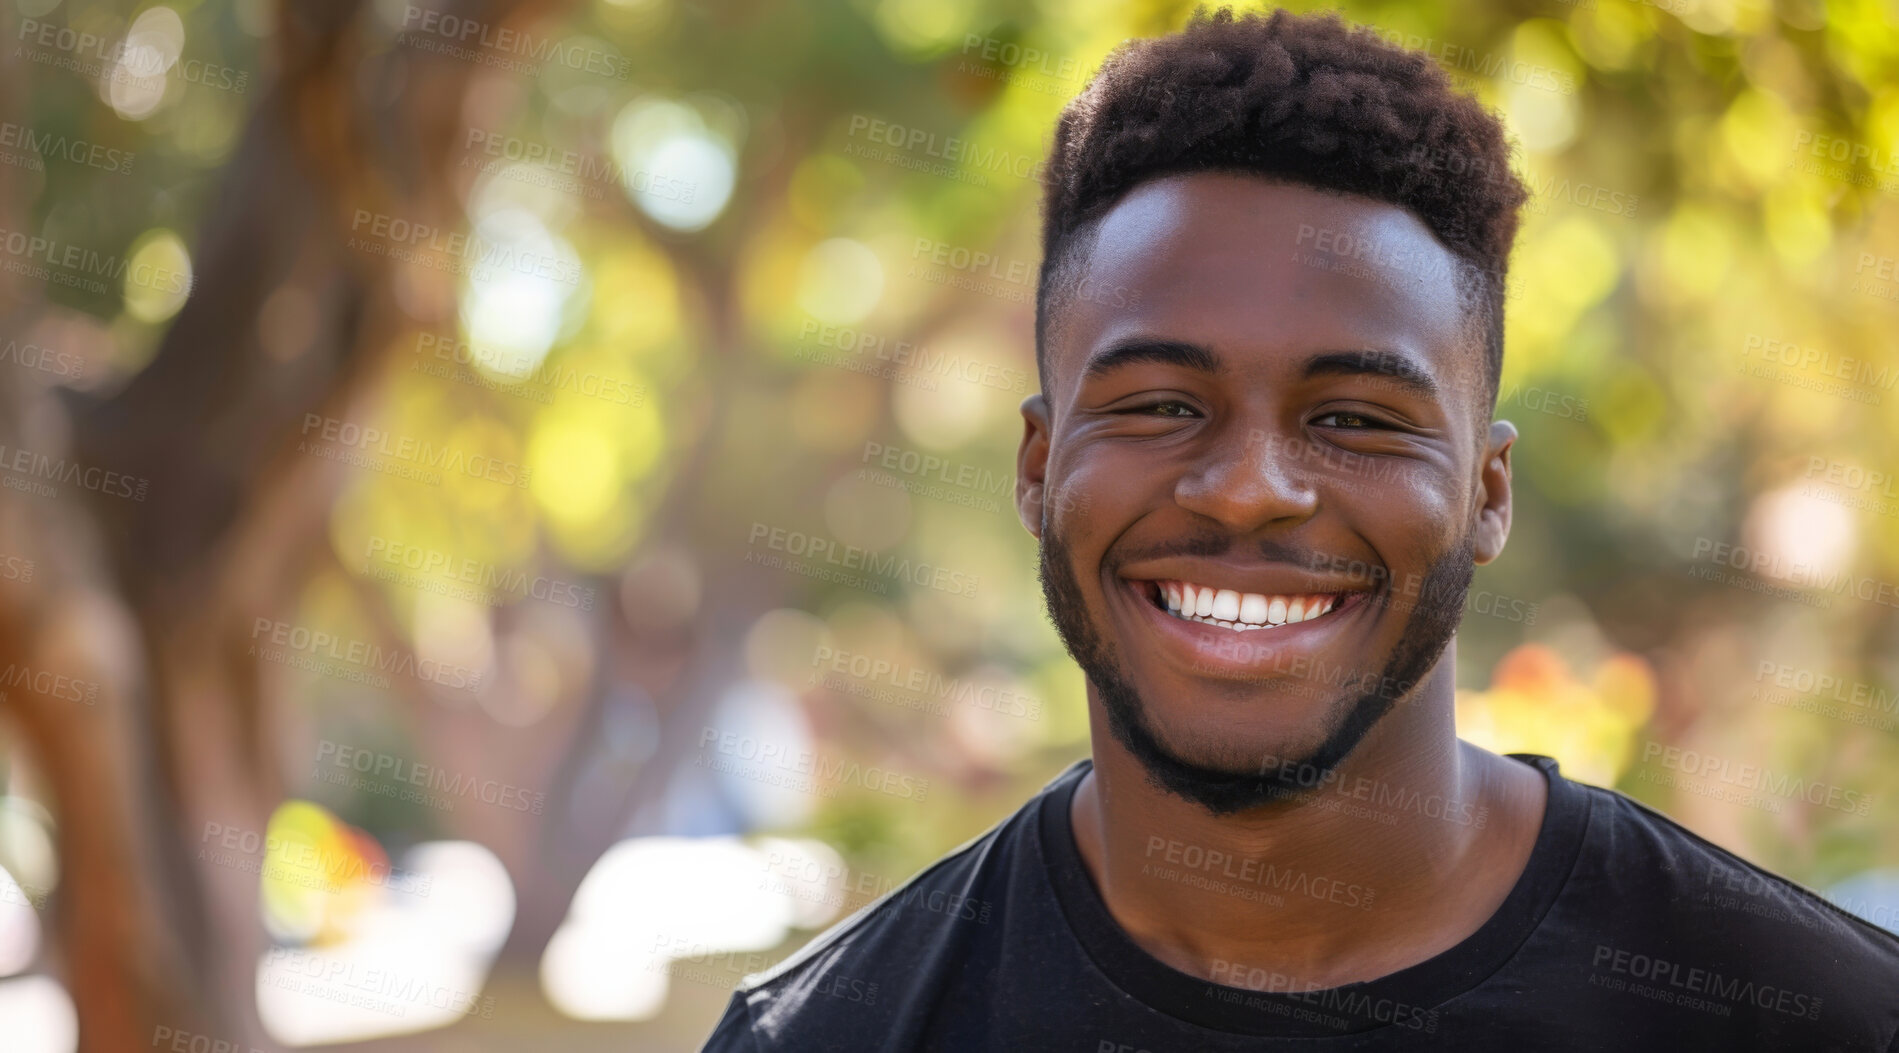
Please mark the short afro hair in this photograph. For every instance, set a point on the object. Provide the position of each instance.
(1306, 100)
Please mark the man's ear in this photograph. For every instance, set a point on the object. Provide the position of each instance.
(1493, 509)
(1031, 463)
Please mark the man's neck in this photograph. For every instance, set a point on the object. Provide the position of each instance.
(1406, 852)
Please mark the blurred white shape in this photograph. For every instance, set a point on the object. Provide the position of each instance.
(758, 747)
(675, 168)
(418, 960)
(38, 1015)
(26, 844)
(456, 637)
(517, 293)
(134, 85)
(587, 979)
(1872, 895)
(1544, 121)
(470, 903)
(811, 874)
(19, 927)
(651, 900)
(1805, 536)
(840, 281)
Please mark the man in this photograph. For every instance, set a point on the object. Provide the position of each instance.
(1261, 467)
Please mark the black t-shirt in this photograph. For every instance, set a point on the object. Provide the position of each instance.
(1626, 932)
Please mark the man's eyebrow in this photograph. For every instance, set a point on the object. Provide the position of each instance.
(1399, 369)
(1145, 349)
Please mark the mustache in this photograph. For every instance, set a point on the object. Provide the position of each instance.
(1213, 545)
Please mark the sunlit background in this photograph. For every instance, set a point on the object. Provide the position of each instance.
(507, 524)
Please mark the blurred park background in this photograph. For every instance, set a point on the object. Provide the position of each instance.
(507, 516)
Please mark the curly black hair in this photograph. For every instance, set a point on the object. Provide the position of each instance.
(1306, 100)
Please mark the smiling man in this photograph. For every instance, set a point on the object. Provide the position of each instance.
(1262, 468)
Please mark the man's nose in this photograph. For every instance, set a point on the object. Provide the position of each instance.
(1257, 479)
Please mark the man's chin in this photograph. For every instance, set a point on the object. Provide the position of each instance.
(1229, 775)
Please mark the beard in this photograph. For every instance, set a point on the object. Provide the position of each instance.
(1219, 788)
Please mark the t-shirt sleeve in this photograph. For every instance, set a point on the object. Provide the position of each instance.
(734, 1033)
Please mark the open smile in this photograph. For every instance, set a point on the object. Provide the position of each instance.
(1240, 611)
(1242, 633)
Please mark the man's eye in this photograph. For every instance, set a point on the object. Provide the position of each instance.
(1348, 419)
(1168, 408)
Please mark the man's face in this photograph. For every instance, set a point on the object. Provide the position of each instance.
(1281, 431)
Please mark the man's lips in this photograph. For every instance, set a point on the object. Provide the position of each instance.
(1240, 612)
(1221, 648)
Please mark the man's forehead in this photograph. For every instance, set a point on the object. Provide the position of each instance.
(1240, 262)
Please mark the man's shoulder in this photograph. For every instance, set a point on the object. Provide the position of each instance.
(1683, 906)
(922, 926)
(1698, 870)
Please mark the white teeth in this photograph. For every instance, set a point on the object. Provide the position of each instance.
(1253, 608)
(1226, 605)
(1240, 611)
